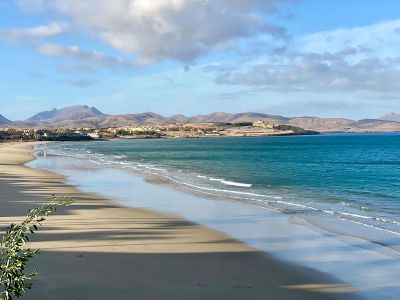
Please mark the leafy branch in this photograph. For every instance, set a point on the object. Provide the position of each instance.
(14, 281)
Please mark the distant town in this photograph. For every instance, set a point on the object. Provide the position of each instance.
(258, 128)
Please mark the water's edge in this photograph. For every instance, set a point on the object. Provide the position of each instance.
(344, 219)
(286, 236)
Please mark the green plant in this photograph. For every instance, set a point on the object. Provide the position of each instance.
(14, 280)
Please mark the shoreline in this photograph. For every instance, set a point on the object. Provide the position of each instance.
(283, 235)
(96, 249)
(360, 230)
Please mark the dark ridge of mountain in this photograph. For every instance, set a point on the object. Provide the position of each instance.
(74, 113)
(146, 118)
(44, 115)
(218, 117)
(178, 118)
(391, 117)
(95, 111)
(4, 120)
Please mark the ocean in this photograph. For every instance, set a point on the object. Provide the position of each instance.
(329, 202)
(353, 177)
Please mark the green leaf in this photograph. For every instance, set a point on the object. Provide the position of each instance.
(13, 258)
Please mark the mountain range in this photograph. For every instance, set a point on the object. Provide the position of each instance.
(90, 117)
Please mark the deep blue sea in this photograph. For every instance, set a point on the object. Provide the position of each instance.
(349, 177)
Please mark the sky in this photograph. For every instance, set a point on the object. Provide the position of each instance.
(289, 57)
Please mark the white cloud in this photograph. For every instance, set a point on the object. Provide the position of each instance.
(62, 51)
(82, 59)
(314, 72)
(34, 34)
(160, 30)
(38, 37)
(382, 38)
(343, 60)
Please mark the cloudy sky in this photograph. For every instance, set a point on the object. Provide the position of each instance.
(291, 57)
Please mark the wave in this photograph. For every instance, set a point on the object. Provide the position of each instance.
(236, 183)
(215, 179)
(227, 182)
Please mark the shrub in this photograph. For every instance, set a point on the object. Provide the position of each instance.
(14, 280)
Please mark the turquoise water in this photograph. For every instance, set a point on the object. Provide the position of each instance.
(351, 177)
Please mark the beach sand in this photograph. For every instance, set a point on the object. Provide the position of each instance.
(95, 249)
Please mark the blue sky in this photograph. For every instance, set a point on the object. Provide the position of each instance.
(324, 58)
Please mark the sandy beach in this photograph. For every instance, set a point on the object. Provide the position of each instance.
(96, 249)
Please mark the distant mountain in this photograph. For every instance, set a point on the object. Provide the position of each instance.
(4, 120)
(90, 117)
(391, 117)
(323, 124)
(72, 113)
(84, 116)
(220, 117)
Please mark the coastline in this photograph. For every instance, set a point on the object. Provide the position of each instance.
(203, 184)
(96, 249)
(284, 235)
